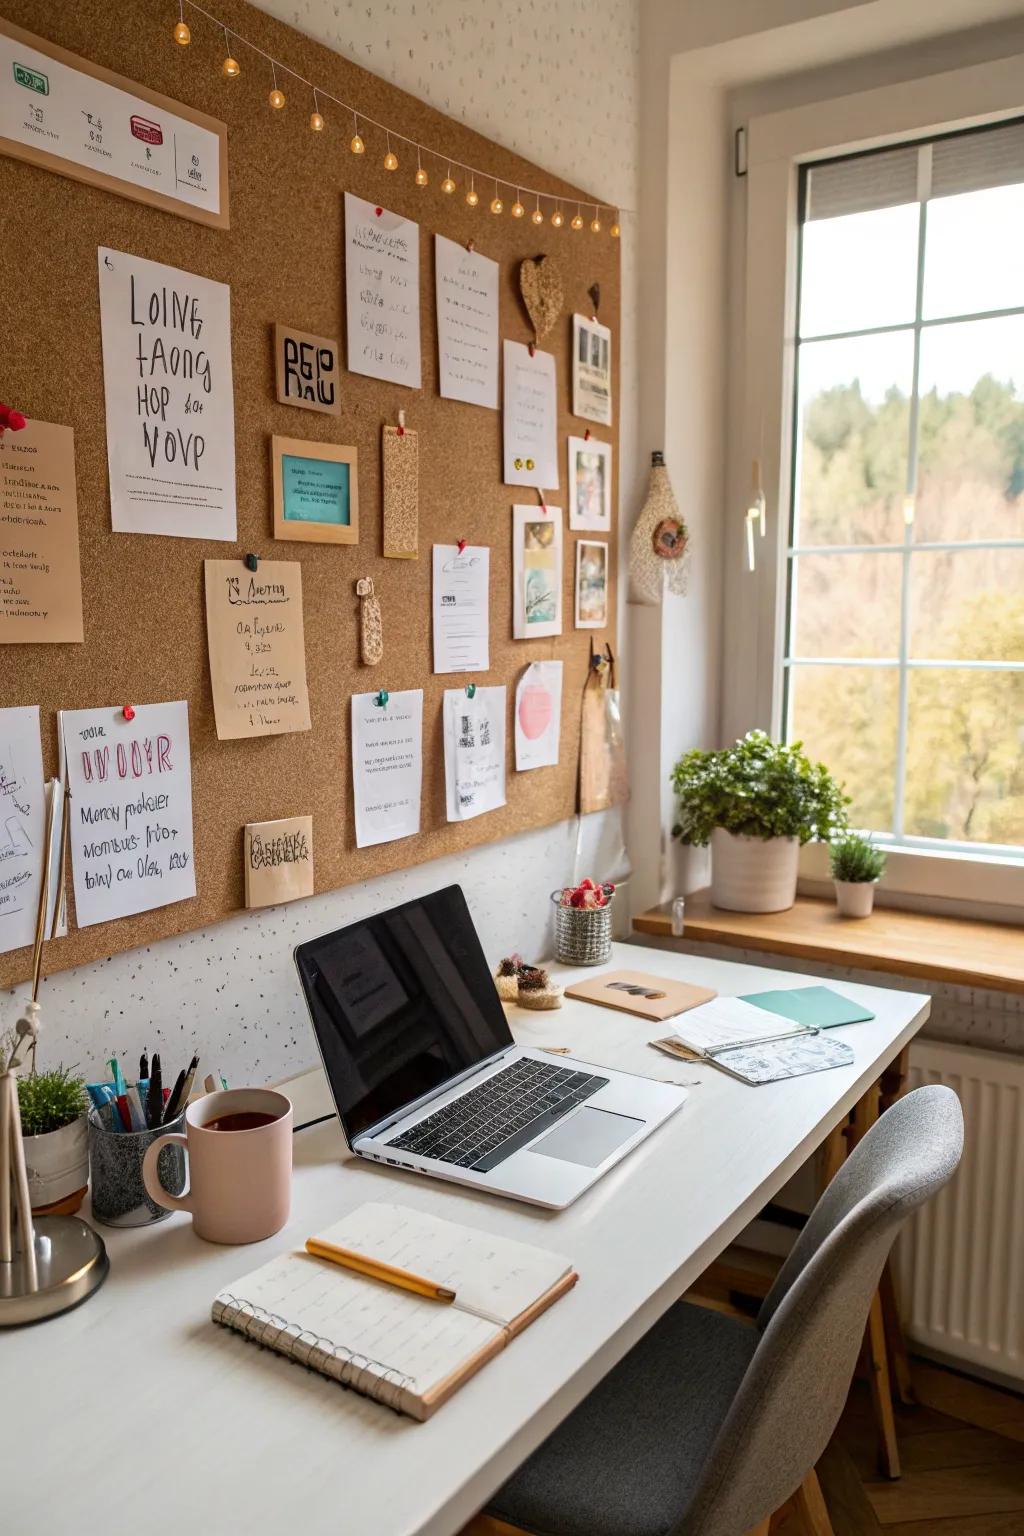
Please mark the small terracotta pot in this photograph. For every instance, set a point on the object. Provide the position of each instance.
(855, 898)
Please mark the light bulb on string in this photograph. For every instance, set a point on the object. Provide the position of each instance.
(448, 185)
(517, 208)
(614, 230)
(472, 196)
(390, 159)
(558, 218)
(356, 144)
(276, 97)
(496, 203)
(421, 176)
(595, 223)
(182, 35)
(316, 122)
(576, 222)
(537, 217)
(231, 67)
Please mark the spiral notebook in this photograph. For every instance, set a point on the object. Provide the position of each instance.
(405, 1351)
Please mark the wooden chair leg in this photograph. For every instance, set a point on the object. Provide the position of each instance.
(762, 1529)
(881, 1389)
(811, 1509)
(896, 1344)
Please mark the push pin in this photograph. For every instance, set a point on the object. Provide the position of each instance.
(533, 348)
(252, 562)
(586, 435)
(471, 690)
(471, 245)
(462, 546)
(381, 698)
(129, 711)
(401, 423)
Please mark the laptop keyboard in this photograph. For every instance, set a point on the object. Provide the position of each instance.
(483, 1127)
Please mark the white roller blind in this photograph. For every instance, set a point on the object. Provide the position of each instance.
(962, 162)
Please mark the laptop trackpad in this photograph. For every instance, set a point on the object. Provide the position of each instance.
(588, 1137)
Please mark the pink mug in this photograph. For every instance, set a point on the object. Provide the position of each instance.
(239, 1165)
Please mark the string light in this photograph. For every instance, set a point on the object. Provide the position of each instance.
(231, 67)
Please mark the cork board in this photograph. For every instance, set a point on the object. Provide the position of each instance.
(283, 256)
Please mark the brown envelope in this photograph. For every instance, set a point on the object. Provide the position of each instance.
(651, 997)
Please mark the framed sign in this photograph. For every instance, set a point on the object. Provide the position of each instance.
(316, 491)
(306, 368)
(68, 115)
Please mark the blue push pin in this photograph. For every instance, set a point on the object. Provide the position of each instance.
(471, 690)
(252, 563)
(381, 698)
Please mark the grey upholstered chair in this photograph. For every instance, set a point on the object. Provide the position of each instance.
(709, 1424)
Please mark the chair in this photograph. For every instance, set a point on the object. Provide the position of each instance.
(710, 1423)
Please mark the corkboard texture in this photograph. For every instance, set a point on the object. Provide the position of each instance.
(283, 257)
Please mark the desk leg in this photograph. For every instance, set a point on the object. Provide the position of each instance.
(810, 1507)
(881, 1389)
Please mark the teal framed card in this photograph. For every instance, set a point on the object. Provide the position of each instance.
(316, 491)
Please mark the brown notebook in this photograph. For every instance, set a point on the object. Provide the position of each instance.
(405, 1351)
(652, 997)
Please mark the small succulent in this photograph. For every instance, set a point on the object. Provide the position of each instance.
(50, 1100)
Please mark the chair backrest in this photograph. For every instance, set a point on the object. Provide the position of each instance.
(813, 1318)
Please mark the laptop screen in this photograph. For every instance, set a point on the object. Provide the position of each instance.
(401, 1002)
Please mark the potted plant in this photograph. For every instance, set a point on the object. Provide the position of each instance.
(53, 1128)
(857, 867)
(756, 803)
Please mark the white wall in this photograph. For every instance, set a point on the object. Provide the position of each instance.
(559, 83)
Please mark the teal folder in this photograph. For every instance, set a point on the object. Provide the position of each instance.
(817, 1007)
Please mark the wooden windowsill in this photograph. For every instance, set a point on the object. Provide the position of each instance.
(966, 953)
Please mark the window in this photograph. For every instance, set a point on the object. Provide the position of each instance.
(904, 655)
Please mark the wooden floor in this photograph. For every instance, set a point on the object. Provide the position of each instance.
(962, 1450)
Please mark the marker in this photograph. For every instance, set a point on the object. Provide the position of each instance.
(144, 1065)
(174, 1099)
(154, 1094)
(120, 1086)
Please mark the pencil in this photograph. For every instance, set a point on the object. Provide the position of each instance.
(377, 1270)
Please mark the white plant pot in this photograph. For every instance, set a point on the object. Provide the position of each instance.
(753, 874)
(855, 898)
(57, 1163)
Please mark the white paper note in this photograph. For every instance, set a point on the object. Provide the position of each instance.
(131, 809)
(461, 608)
(538, 715)
(474, 751)
(382, 286)
(22, 825)
(387, 765)
(467, 323)
(530, 416)
(536, 572)
(170, 405)
(728, 1021)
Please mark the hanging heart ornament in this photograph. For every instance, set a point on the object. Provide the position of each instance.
(540, 284)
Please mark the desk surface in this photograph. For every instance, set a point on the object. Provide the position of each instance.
(137, 1389)
(953, 949)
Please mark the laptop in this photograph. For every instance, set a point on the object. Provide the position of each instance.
(425, 1073)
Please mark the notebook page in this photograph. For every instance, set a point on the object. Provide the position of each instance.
(729, 1021)
(405, 1334)
(494, 1277)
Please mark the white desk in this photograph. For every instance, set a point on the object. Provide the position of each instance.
(139, 1413)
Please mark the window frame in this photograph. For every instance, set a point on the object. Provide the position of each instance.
(762, 361)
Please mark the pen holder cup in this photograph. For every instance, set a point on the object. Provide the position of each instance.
(119, 1197)
(583, 935)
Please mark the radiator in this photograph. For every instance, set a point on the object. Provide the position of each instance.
(960, 1261)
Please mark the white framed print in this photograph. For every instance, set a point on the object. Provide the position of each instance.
(591, 584)
(536, 572)
(590, 485)
(591, 370)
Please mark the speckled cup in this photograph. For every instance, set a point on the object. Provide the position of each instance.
(119, 1197)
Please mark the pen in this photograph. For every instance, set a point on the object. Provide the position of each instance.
(190, 1077)
(173, 1103)
(123, 1110)
(376, 1269)
(154, 1094)
(134, 1098)
(120, 1086)
(144, 1065)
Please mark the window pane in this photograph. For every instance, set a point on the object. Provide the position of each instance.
(965, 756)
(967, 605)
(971, 444)
(859, 271)
(846, 717)
(846, 605)
(853, 416)
(972, 252)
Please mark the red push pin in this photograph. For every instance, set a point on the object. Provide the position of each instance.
(586, 435)
(462, 546)
(471, 245)
(129, 712)
(10, 419)
(533, 349)
(378, 211)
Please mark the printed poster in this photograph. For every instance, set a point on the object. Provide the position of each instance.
(387, 765)
(529, 418)
(382, 286)
(467, 323)
(131, 809)
(257, 647)
(461, 608)
(536, 572)
(40, 575)
(474, 751)
(169, 399)
(538, 715)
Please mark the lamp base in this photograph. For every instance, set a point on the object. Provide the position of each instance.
(71, 1261)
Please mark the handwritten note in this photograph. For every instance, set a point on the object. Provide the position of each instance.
(530, 415)
(131, 809)
(306, 369)
(387, 765)
(170, 408)
(538, 715)
(467, 323)
(278, 858)
(257, 648)
(474, 751)
(382, 285)
(22, 825)
(461, 608)
(40, 577)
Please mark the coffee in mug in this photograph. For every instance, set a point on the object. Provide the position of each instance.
(238, 1145)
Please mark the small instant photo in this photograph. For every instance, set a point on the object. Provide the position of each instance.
(591, 370)
(316, 491)
(590, 485)
(591, 584)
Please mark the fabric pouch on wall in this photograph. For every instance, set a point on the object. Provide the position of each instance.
(603, 780)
